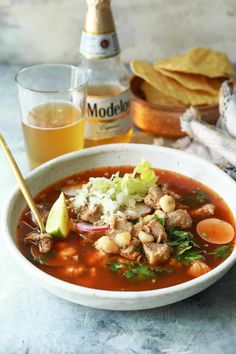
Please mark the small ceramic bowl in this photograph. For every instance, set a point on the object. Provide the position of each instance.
(115, 155)
(160, 120)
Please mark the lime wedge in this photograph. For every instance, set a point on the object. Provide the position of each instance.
(57, 223)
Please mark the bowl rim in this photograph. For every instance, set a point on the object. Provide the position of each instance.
(178, 109)
(99, 293)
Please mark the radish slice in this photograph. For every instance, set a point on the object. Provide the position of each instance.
(139, 210)
(215, 231)
(142, 208)
(72, 190)
(83, 226)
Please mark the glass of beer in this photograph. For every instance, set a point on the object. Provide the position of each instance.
(52, 101)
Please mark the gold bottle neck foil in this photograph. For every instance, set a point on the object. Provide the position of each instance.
(99, 39)
(99, 18)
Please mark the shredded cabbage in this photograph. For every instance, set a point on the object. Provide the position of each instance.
(147, 174)
(116, 192)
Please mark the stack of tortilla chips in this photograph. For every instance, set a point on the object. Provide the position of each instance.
(190, 79)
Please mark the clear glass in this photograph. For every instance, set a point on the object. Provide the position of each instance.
(52, 100)
(107, 77)
(109, 71)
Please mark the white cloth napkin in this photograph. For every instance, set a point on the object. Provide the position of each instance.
(217, 144)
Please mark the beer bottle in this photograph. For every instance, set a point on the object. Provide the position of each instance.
(108, 101)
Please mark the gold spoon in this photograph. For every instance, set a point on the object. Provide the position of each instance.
(20, 179)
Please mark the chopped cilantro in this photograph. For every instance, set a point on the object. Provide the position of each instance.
(115, 266)
(183, 247)
(221, 251)
(181, 239)
(130, 270)
(171, 230)
(44, 257)
(189, 256)
(145, 272)
(139, 248)
(195, 198)
(204, 234)
(200, 196)
(183, 243)
(130, 263)
(161, 220)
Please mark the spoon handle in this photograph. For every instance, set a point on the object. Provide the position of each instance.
(24, 189)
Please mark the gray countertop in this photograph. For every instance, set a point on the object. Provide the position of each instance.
(35, 322)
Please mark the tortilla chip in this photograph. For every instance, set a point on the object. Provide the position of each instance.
(156, 97)
(203, 61)
(192, 81)
(171, 88)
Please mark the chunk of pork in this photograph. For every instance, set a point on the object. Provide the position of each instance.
(43, 241)
(154, 228)
(180, 218)
(152, 198)
(118, 222)
(156, 252)
(132, 252)
(91, 215)
(204, 211)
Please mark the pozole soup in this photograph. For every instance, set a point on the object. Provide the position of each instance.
(128, 229)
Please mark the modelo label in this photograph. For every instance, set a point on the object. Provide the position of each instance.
(107, 117)
(99, 45)
(113, 109)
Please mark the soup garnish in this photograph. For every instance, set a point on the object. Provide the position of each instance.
(215, 231)
(58, 219)
(124, 228)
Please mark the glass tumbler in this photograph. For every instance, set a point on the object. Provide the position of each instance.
(52, 100)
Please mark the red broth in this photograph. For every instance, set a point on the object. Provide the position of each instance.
(90, 268)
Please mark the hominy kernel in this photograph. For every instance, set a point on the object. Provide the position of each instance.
(123, 239)
(167, 203)
(145, 237)
(107, 245)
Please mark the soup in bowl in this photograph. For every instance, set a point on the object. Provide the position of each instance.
(127, 227)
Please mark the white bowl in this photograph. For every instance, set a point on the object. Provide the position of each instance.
(116, 155)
